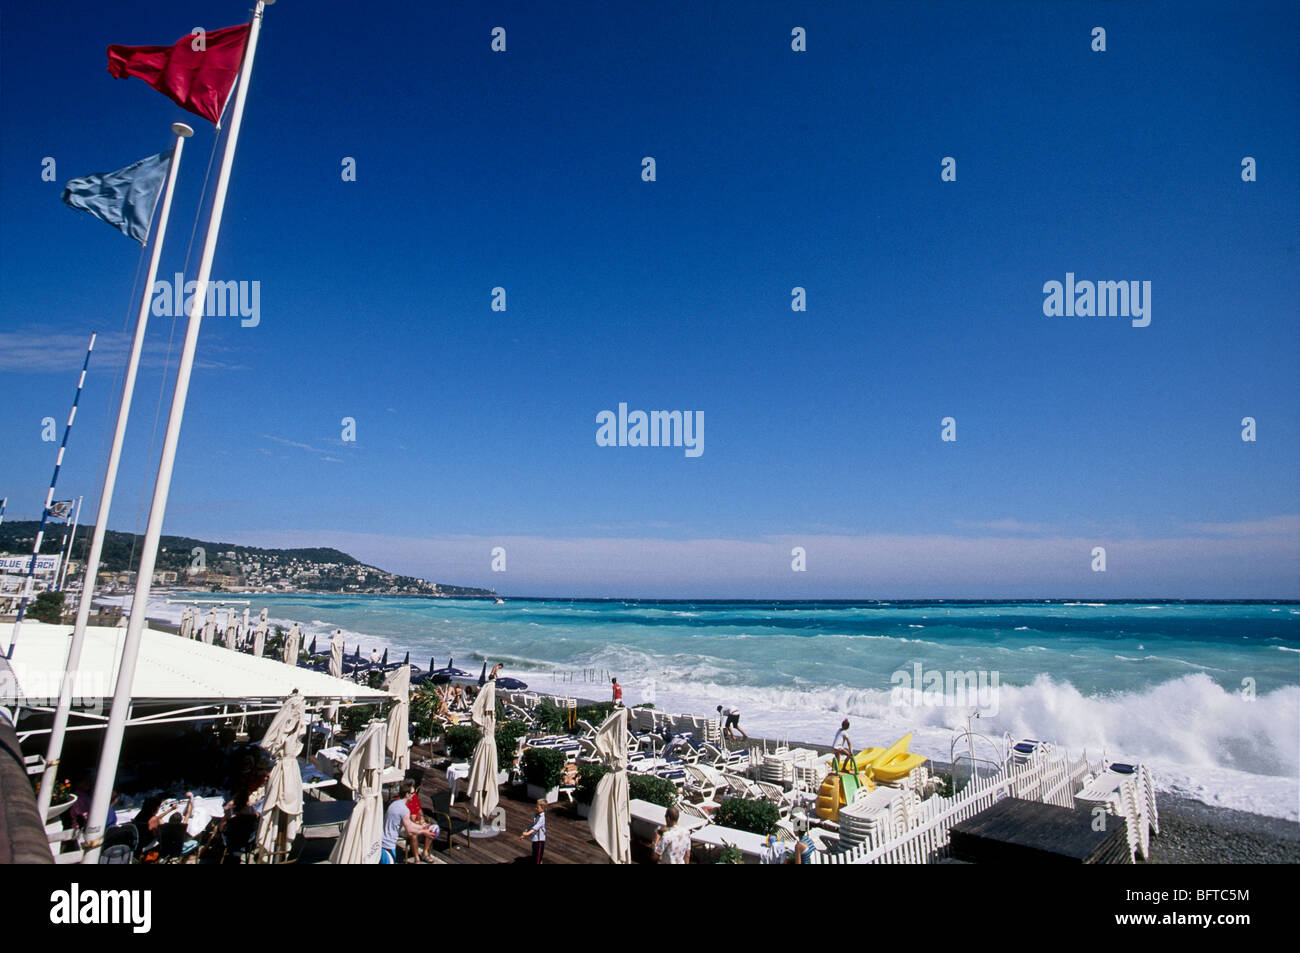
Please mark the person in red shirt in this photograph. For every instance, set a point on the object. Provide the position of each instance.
(417, 817)
(618, 692)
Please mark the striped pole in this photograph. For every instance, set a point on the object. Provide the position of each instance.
(49, 500)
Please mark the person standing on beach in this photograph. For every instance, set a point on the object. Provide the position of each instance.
(536, 831)
(618, 693)
(731, 722)
(842, 747)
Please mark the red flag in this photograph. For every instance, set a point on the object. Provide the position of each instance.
(197, 80)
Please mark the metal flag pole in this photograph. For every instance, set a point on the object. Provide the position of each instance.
(54, 747)
(49, 501)
(67, 553)
(107, 773)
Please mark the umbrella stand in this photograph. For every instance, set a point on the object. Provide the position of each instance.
(488, 828)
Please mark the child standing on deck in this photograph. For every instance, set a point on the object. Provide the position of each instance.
(536, 831)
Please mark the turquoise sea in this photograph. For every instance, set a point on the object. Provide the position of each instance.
(1207, 693)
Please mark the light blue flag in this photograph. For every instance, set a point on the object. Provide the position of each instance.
(125, 198)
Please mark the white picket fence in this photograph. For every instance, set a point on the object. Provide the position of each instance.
(1051, 778)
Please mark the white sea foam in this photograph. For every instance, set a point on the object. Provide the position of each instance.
(1198, 739)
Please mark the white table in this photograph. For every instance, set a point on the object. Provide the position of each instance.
(647, 817)
(752, 846)
(456, 771)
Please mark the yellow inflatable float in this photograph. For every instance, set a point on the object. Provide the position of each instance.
(868, 766)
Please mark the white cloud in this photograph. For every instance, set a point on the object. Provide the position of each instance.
(839, 566)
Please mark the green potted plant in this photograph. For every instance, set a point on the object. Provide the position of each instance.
(647, 787)
(589, 775)
(550, 718)
(543, 768)
(461, 740)
(507, 737)
(730, 855)
(757, 817)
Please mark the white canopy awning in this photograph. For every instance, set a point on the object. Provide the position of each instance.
(172, 672)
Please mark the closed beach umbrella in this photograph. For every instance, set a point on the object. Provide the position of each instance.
(210, 627)
(336, 665)
(357, 656)
(311, 649)
(243, 626)
(362, 772)
(384, 660)
(187, 624)
(610, 814)
(482, 782)
(291, 645)
(407, 660)
(482, 676)
(259, 636)
(232, 629)
(282, 811)
(398, 735)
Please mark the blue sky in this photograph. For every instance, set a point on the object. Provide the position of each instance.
(775, 169)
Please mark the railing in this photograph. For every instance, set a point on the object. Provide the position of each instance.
(1051, 778)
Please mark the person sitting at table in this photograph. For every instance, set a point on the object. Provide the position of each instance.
(173, 834)
(429, 834)
(238, 827)
(146, 820)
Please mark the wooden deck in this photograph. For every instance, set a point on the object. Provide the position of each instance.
(568, 839)
(1031, 833)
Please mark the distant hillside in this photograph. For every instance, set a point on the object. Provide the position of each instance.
(231, 565)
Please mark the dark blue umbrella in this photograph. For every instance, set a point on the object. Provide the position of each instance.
(482, 677)
(511, 684)
(384, 660)
(407, 660)
(312, 650)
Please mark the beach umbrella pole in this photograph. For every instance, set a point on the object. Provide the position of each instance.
(107, 772)
(54, 749)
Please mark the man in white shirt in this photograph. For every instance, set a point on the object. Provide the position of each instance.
(731, 722)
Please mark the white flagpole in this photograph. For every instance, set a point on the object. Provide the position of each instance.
(72, 538)
(54, 748)
(107, 773)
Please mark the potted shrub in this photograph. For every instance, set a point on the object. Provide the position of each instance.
(757, 817)
(507, 738)
(596, 713)
(543, 768)
(589, 776)
(461, 740)
(647, 787)
(730, 855)
(550, 717)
